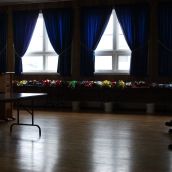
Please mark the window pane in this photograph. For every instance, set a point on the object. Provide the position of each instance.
(103, 63)
(120, 32)
(49, 46)
(106, 42)
(32, 63)
(36, 43)
(121, 42)
(52, 63)
(109, 28)
(123, 62)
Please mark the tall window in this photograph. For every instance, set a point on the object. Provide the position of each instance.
(112, 54)
(40, 55)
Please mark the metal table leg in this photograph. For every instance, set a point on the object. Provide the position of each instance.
(30, 111)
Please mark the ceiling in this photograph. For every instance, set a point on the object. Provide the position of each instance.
(28, 1)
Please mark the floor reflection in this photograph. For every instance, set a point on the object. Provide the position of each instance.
(87, 143)
(39, 155)
(111, 152)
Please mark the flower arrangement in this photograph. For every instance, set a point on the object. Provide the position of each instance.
(58, 83)
(107, 84)
(120, 84)
(72, 84)
(87, 84)
(46, 83)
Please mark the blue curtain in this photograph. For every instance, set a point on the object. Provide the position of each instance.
(134, 20)
(23, 25)
(3, 42)
(165, 39)
(59, 28)
(93, 24)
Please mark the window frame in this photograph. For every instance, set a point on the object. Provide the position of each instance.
(114, 53)
(44, 53)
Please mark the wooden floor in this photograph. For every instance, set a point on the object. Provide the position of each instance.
(87, 142)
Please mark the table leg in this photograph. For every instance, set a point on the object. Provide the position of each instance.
(31, 112)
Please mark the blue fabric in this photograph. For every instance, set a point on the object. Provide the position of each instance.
(3, 42)
(134, 20)
(59, 28)
(23, 25)
(165, 39)
(93, 24)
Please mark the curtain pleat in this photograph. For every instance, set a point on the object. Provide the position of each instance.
(59, 23)
(165, 39)
(93, 24)
(23, 26)
(3, 42)
(134, 21)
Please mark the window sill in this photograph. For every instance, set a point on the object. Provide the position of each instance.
(111, 73)
(40, 73)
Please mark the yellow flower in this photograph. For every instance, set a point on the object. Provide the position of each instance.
(107, 83)
(121, 84)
